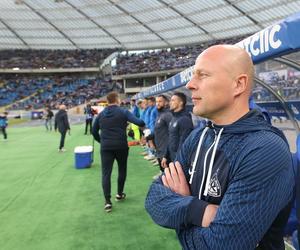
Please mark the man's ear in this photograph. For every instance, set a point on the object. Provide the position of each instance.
(241, 84)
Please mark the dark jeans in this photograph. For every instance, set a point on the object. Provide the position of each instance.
(4, 133)
(62, 139)
(88, 123)
(48, 124)
(107, 161)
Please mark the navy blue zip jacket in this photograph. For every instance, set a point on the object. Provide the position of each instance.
(246, 169)
(161, 135)
(61, 121)
(112, 122)
(180, 127)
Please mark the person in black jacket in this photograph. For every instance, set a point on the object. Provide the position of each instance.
(161, 128)
(180, 127)
(63, 126)
(112, 122)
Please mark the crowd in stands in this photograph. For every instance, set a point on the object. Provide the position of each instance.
(14, 88)
(35, 59)
(164, 59)
(288, 88)
(75, 90)
(52, 91)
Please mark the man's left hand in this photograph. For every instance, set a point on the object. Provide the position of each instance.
(174, 179)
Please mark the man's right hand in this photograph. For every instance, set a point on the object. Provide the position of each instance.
(209, 215)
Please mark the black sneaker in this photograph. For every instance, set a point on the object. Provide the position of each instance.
(108, 207)
(120, 197)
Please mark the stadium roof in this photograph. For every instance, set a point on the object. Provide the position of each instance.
(132, 24)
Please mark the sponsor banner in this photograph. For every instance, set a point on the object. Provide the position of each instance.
(174, 82)
(275, 40)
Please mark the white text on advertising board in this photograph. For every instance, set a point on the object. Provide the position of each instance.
(262, 41)
(186, 75)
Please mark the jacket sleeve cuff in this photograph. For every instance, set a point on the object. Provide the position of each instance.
(195, 212)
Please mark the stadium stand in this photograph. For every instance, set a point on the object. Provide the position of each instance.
(52, 59)
(52, 91)
(163, 59)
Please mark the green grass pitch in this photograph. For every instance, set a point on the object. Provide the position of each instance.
(45, 203)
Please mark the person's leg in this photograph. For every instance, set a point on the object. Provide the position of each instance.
(107, 161)
(142, 138)
(62, 139)
(86, 126)
(50, 124)
(91, 123)
(121, 156)
(46, 124)
(4, 133)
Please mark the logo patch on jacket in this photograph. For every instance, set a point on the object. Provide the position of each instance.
(174, 124)
(214, 188)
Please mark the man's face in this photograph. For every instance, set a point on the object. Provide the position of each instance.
(150, 103)
(160, 103)
(211, 87)
(144, 104)
(175, 103)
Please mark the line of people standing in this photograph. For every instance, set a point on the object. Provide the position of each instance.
(168, 123)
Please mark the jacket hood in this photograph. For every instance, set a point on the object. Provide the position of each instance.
(163, 110)
(61, 112)
(182, 112)
(109, 111)
(254, 120)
